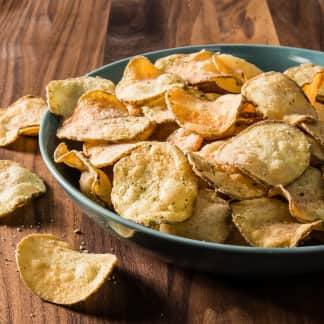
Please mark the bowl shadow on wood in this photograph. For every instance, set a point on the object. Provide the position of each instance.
(124, 297)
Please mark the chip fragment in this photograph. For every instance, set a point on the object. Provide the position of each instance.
(57, 273)
(94, 183)
(277, 97)
(154, 185)
(266, 222)
(63, 95)
(210, 221)
(100, 116)
(210, 119)
(185, 140)
(271, 151)
(142, 82)
(23, 117)
(17, 186)
(226, 179)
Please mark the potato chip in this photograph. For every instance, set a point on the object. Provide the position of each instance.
(102, 155)
(273, 152)
(154, 184)
(316, 150)
(100, 116)
(209, 151)
(210, 119)
(63, 95)
(305, 196)
(56, 272)
(199, 69)
(238, 67)
(157, 111)
(142, 82)
(275, 96)
(266, 222)
(94, 183)
(23, 117)
(185, 140)
(210, 221)
(17, 186)
(315, 130)
(226, 179)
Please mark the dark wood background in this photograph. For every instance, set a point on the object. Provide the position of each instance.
(42, 40)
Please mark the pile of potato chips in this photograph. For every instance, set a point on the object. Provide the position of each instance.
(203, 145)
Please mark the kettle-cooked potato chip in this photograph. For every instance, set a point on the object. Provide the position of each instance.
(210, 221)
(277, 97)
(154, 184)
(63, 95)
(56, 272)
(185, 140)
(94, 183)
(210, 119)
(23, 117)
(102, 155)
(271, 151)
(199, 69)
(266, 222)
(142, 82)
(226, 179)
(100, 116)
(305, 196)
(238, 67)
(157, 111)
(17, 186)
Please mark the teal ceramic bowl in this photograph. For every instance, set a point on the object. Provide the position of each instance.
(210, 257)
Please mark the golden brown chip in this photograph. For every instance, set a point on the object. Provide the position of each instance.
(63, 95)
(266, 222)
(23, 117)
(199, 69)
(210, 119)
(238, 67)
(185, 140)
(305, 196)
(210, 221)
(94, 183)
(56, 272)
(142, 82)
(102, 155)
(273, 152)
(17, 186)
(226, 179)
(275, 96)
(100, 116)
(154, 184)
(157, 111)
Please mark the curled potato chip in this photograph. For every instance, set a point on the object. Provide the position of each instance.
(275, 96)
(94, 183)
(143, 82)
(238, 67)
(210, 221)
(23, 117)
(273, 152)
(266, 222)
(305, 196)
(154, 184)
(17, 186)
(185, 140)
(157, 111)
(63, 95)
(100, 116)
(226, 179)
(210, 119)
(102, 155)
(199, 69)
(56, 272)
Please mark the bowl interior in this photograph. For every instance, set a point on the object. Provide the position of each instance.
(266, 57)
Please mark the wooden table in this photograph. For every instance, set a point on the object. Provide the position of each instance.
(42, 40)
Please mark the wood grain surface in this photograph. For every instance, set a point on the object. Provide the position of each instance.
(43, 40)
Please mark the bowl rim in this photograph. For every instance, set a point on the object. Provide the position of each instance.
(77, 195)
